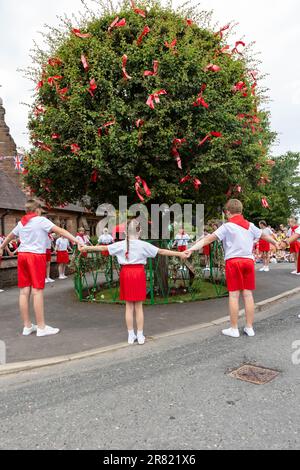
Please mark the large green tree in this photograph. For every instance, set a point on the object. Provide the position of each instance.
(96, 123)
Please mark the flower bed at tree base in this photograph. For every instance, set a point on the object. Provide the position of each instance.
(205, 291)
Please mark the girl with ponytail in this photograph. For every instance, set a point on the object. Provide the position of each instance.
(132, 254)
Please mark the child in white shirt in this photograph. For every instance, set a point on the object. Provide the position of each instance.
(62, 248)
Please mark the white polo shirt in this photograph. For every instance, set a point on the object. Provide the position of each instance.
(182, 240)
(34, 236)
(237, 241)
(62, 244)
(139, 252)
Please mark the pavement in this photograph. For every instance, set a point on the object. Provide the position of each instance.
(171, 394)
(90, 326)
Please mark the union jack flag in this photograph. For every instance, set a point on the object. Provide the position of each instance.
(19, 163)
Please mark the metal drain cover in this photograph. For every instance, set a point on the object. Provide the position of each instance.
(254, 374)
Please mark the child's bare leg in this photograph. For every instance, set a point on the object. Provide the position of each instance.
(129, 315)
(249, 307)
(48, 270)
(234, 308)
(63, 269)
(24, 306)
(139, 312)
(38, 305)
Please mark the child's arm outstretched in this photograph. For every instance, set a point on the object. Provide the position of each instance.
(162, 252)
(208, 240)
(92, 248)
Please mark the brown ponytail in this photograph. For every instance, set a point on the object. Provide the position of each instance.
(133, 227)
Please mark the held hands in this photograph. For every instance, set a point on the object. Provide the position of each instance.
(186, 254)
(83, 248)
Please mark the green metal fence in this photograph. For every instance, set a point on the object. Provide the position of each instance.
(169, 280)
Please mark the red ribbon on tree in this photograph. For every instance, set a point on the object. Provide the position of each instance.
(212, 68)
(55, 136)
(53, 80)
(40, 85)
(43, 146)
(177, 144)
(222, 30)
(105, 127)
(81, 35)
(39, 110)
(84, 62)
(117, 24)
(154, 98)
(146, 31)
(189, 22)
(242, 87)
(263, 181)
(139, 123)
(62, 92)
(200, 100)
(235, 49)
(172, 44)
(54, 61)
(264, 203)
(136, 10)
(140, 185)
(209, 137)
(92, 88)
(196, 182)
(75, 148)
(124, 62)
(149, 73)
(94, 176)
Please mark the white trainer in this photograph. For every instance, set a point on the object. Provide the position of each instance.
(47, 331)
(1, 291)
(141, 340)
(232, 332)
(131, 338)
(249, 332)
(50, 280)
(29, 331)
(262, 269)
(267, 270)
(61, 278)
(294, 272)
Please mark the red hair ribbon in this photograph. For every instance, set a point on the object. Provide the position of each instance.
(92, 88)
(84, 62)
(209, 136)
(136, 10)
(177, 144)
(154, 98)
(212, 68)
(196, 182)
(39, 110)
(75, 148)
(54, 61)
(105, 127)
(81, 35)
(138, 183)
(55, 136)
(235, 49)
(146, 31)
(149, 73)
(172, 44)
(264, 203)
(43, 146)
(189, 22)
(222, 30)
(200, 100)
(94, 176)
(117, 24)
(124, 62)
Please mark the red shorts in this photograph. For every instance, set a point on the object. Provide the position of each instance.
(240, 274)
(263, 246)
(62, 257)
(206, 250)
(295, 247)
(31, 270)
(182, 249)
(133, 284)
(48, 256)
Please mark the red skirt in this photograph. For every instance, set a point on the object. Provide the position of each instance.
(264, 247)
(31, 270)
(240, 274)
(48, 256)
(182, 249)
(133, 283)
(63, 257)
(206, 250)
(295, 247)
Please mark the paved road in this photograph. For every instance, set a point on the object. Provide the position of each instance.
(171, 394)
(87, 326)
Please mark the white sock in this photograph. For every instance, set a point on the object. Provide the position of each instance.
(131, 332)
(140, 333)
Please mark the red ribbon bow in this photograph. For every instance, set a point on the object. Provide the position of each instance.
(139, 123)
(235, 49)
(94, 176)
(136, 10)
(124, 62)
(92, 88)
(196, 182)
(140, 182)
(242, 87)
(117, 24)
(212, 68)
(39, 110)
(172, 44)
(84, 62)
(154, 98)
(149, 73)
(55, 136)
(75, 148)
(265, 203)
(40, 85)
(146, 31)
(209, 137)
(105, 127)
(52, 80)
(43, 146)
(54, 61)
(81, 35)
(177, 144)
(62, 92)
(224, 28)
(189, 22)
(200, 100)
